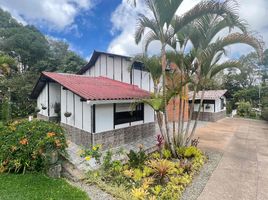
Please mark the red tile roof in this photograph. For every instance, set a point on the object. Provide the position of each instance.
(209, 94)
(97, 88)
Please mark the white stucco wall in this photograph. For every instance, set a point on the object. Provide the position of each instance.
(54, 97)
(43, 100)
(86, 116)
(104, 117)
(148, 114)
(114, 67)
(119, 68)
(211, 109)
(81, 111)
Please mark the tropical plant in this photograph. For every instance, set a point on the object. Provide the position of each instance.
(137, 159)
(161, 168)
(163, 26)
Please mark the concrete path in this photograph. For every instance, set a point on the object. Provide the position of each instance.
(243, 170)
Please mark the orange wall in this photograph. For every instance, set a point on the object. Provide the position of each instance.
(170, 110)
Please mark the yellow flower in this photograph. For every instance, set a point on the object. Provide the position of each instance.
(87, 158)
(94, 148)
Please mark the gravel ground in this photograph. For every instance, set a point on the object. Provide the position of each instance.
(93, 192)
(193, 191)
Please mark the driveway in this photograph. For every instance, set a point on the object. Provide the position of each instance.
(242, 173)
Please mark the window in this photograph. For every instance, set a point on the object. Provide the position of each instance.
(124, 113)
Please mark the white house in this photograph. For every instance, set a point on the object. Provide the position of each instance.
(118, 67)
(97, 105)
(214, 105)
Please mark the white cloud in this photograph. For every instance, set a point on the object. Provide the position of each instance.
(124, 22)
(55, 14)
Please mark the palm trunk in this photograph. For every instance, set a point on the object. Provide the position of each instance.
(197, 118)
(163, 61)
(174, 122)
(190, 115)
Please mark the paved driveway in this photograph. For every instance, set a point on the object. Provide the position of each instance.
(243, 170)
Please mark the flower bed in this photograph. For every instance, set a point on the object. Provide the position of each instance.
(30, 145)
(154, 176)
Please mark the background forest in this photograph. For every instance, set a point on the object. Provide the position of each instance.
(25, 52)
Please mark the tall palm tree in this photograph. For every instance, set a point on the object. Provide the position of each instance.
(164, 24)
(207, 61)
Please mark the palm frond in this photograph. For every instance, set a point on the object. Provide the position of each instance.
(228, 7)
(143, 23)
(226, 65)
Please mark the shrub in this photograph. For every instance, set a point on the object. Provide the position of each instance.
(244, 109)
(137, 159)
(264, 113)
(29, 145)
(166, 153)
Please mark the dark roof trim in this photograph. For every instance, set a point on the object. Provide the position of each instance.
(94, 58)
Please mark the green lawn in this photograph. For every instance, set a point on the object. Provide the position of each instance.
(37, 186)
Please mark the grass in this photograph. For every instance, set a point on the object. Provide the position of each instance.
(37, 186)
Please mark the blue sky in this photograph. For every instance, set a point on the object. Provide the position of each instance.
(109, 25)
(93, 29)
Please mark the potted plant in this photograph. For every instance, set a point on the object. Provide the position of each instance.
(36, 110)
(67, 114)
(43, 107)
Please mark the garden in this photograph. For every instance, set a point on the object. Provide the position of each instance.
(142, 176)
(28, 150)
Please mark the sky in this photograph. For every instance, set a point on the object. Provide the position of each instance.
(109, 25)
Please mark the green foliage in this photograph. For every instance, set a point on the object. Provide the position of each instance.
(37, 186)
(107, 160)
(244, 109)
(94, 152)
(264, 113)
(5, 111)
(229, 107)
(166, 153)
(137, 159)
(28, 145)
(21, 105)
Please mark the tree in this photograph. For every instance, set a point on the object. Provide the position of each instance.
(6, 64)
(162, 27)
(27, 44)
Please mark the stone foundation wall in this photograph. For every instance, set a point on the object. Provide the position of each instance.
(78, 136)
(42, 117)
(210, 117)
(121, 136)
(46, 118)
(112, 138)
